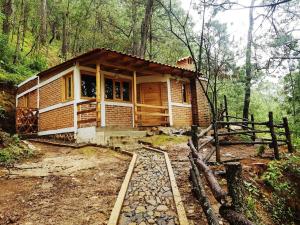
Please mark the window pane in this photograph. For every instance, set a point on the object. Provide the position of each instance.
(126, 91)
(88, 86)
(109, 89)
(118, 89)
(184, 97)
(69, 87)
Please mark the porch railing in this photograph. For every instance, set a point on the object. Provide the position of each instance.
(85, 110)
(27, 120)
(142, 116)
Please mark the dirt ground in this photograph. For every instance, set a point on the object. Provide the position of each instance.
(179, 156)
(62, 186)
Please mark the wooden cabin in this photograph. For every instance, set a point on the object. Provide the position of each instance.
(105, 90)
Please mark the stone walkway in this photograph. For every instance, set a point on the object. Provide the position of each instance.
(149, 197)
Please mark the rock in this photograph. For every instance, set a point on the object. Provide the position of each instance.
(157, 214)
(151, 201)
(151, 221)
(140, 209)
(126, 209)
(162, 208)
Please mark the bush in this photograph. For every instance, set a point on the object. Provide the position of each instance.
(11, 149)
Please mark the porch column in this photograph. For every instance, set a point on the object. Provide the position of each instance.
(77, 93)
(169, 101)
(98, 93)
(134, 100)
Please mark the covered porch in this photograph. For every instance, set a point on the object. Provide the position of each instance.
(116, 91)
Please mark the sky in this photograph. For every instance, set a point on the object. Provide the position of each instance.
(237, 26)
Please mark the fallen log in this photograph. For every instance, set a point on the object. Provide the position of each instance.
(209, 154)
(204, 132)
(218, 192)
(201, 196)
(233, 217)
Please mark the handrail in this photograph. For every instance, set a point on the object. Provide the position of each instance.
(151, 106)
(87, 101)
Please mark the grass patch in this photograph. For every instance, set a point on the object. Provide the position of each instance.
(161, 140)
(88, 151)
(12, 150)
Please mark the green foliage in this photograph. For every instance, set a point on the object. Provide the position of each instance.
(261, 150)
(11, 149)
(2, 113)
(282, 176)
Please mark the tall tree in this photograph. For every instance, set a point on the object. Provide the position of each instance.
(145, 28)
(248, 63)
(7, 11)
(43, 33)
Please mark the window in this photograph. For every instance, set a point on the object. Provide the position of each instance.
(184, 91)
(118, 90)
(126, 91)
(88, 86)
(68, 87)
(109, 88)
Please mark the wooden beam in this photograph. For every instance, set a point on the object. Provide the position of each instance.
(135, 98)
(98, 92)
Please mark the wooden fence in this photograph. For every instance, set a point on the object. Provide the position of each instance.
(279, 134)
(27, 120)
(232, 202)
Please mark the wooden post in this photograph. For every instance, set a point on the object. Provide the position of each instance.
(287, 134)
(194, 131)
(216, 137)
(135, 99)
(199, 190)
(273, 135)
(98, 94)
(226, 112)
(253, 137)
(235, 185)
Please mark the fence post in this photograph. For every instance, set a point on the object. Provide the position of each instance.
(253, 137)
(273, 135)
(287, 134)
(235, 185)
(217, 144)
(194, 131)
(226, 112)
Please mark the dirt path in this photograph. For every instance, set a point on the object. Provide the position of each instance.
(149, 198)
(62, 186)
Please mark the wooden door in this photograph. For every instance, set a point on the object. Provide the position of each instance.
(151, 95)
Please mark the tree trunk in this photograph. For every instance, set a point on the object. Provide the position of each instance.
(25, 24)
(64, 48)
(17, 49)
(248, 64)
(145, 28)
(43, 33)
(134, 18)
(7, 11)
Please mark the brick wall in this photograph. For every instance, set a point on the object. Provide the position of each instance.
(176, 91)
(118, 116)
(200, 107)
(31, 98)
(51, 94)
(182, 116)
(27, 86)
(57, 119)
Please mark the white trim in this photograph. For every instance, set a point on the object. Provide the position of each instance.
(77, 94)
(125, 104)
(169, 101)
(27, 80)
(58, 131)
(28, 91)
(39, 85)
(181, 104)
(56, 106)
(57, 76)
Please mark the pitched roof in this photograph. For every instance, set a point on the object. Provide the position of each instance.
(117, 58)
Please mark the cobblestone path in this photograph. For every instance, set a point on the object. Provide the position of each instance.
(149, 198)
